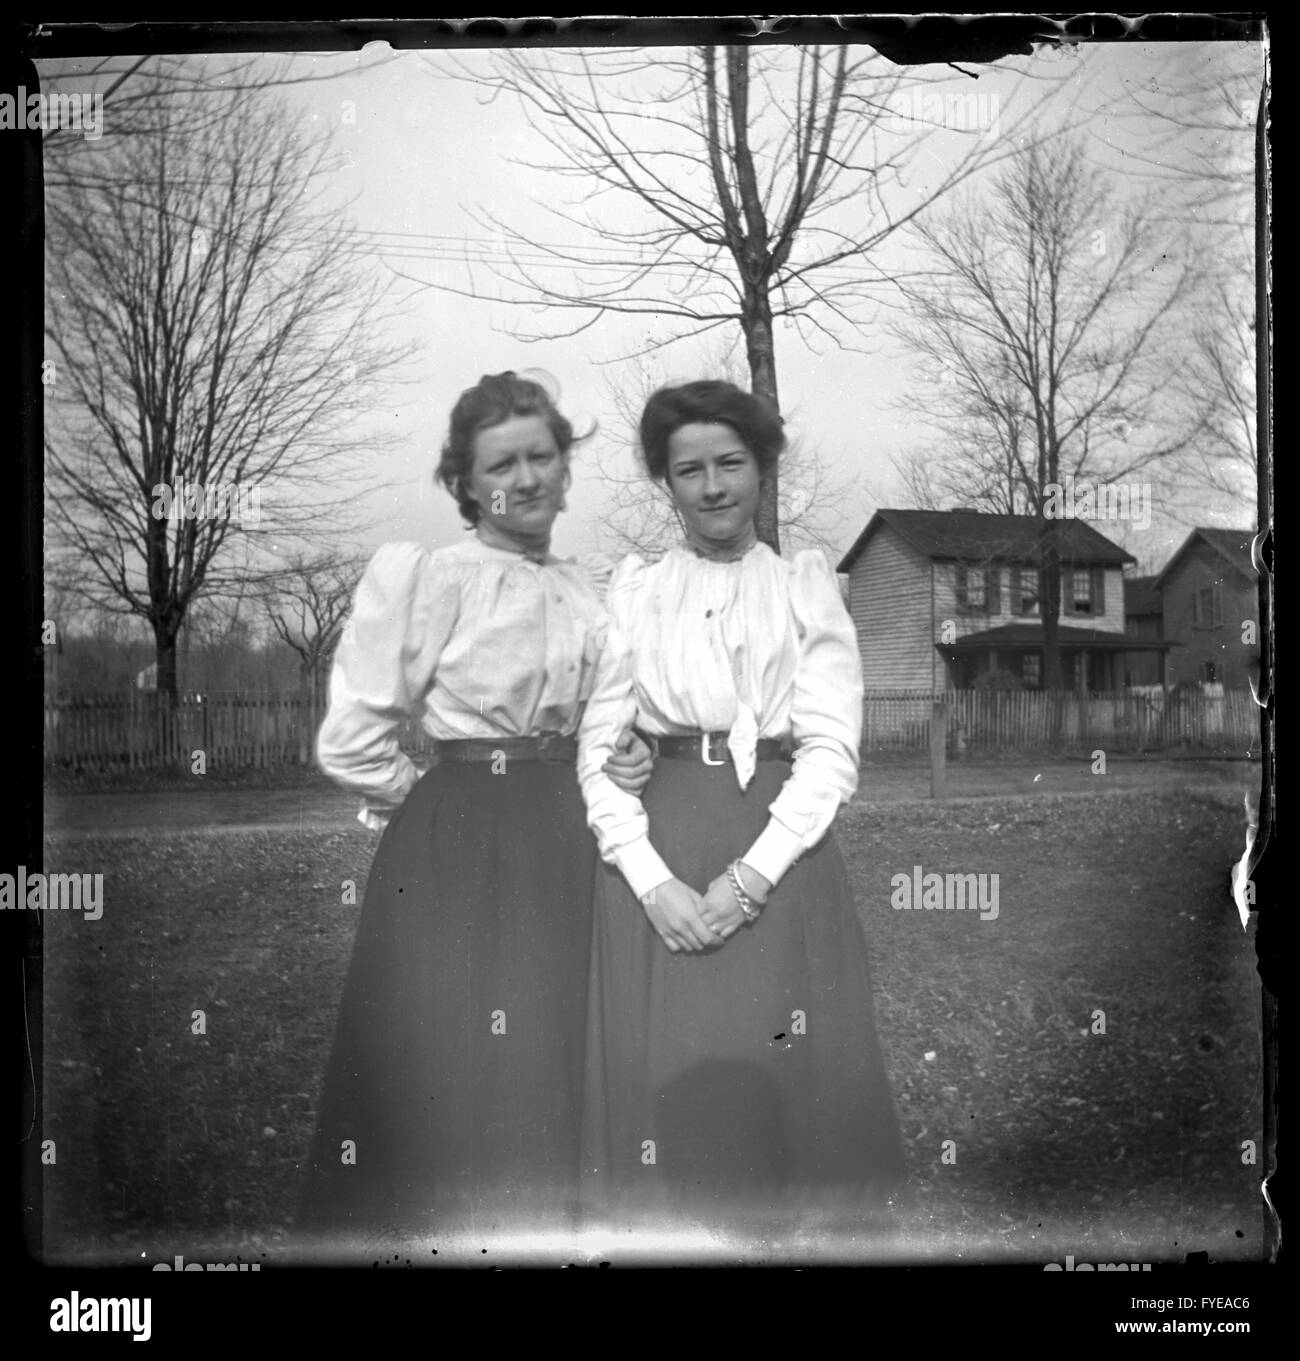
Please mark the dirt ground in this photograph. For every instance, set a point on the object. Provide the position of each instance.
(319, 806)
(1090, 1058)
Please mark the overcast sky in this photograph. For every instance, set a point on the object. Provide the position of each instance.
(423, 152)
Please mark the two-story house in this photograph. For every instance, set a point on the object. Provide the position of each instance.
(943, 598)
(1209, 597)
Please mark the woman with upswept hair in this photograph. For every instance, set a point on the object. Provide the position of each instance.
(451, 1103)
(735, 1083)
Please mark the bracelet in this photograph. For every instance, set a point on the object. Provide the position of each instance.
(758, 902)
(743, 898)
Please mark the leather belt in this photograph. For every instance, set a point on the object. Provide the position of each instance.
(712, 749)
(549, 747)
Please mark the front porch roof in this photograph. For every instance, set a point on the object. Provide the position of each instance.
(1029, 638)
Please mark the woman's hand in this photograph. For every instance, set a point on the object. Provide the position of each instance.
(674, 912)
(631, 764)
(722, 910)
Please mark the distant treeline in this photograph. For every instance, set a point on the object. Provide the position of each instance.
(83, 666)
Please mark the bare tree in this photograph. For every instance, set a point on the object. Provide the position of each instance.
(1193, 132)
(992, 427)
(307, 604)
(212, 344)
(1050, 311)
(1194, 127)
(735, 188)
(126, 91)
(1219, 379)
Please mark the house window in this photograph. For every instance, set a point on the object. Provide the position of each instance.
(1083, 590)
(972, 588)
(978, 590)
(1080, 591)
(1031, 670)
(1207, 607)
(1024, 591)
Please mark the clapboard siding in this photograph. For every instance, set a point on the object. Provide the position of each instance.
(1112, 619)
(889, 599)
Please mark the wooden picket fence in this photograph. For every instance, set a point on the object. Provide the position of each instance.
(987, 722)
(139, 729)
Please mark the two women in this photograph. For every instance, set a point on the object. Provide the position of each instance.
(725, 1042)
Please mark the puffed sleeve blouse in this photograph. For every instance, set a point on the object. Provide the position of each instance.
(473, 640)
(759, 647)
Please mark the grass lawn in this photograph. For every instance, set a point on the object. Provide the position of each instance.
(1122, 1146)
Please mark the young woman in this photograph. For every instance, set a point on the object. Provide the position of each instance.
(734, 1074)
(450, 1112)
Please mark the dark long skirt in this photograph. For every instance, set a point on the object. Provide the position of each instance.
(452, 1099)
(737, 1091)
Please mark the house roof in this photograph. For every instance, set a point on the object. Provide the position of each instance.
(952, 535)
(1233, 545)
(1029, 637)
(1141, 596)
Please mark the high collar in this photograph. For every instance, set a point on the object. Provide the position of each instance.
(502, 544)
(733, 555)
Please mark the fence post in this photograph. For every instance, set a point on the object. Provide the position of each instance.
(938, 750)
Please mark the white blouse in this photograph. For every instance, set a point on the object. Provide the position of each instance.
(759, 647)
(474, 640)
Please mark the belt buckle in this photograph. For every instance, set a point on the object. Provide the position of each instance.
(546, 745)
(706, 745)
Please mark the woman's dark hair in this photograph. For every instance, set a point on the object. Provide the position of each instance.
(710, 402)
(496, 397)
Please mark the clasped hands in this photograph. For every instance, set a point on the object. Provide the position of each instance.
(683, 919)
(688, 921)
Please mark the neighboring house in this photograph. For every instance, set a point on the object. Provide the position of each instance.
(1143, 619)
(1209, 595)
(943, 598)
